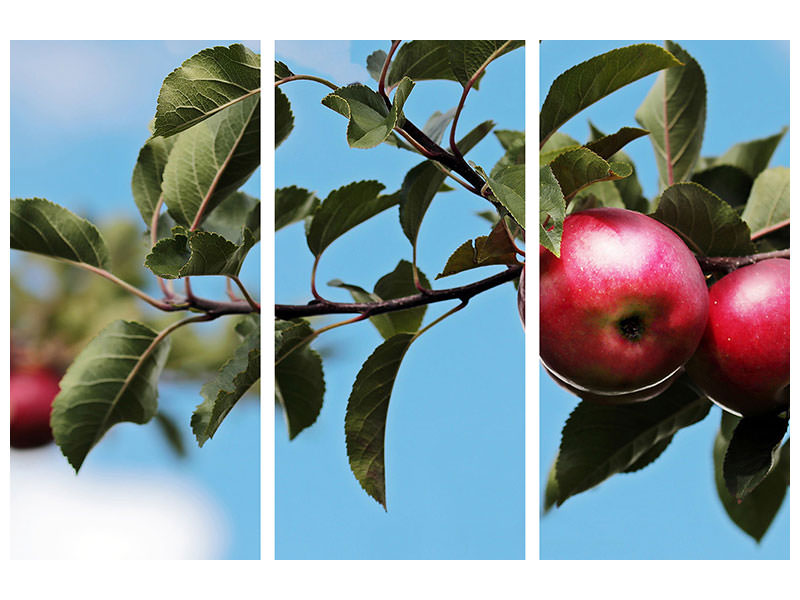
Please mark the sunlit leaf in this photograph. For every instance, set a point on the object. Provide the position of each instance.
(675, 113)
(227, 218)
(768, 203)
(205, 84)
(147, 175)
(293, 204)
(752, 157)
(467, 56)
(552, 211)
(588, 82)
(198, 253)
(493, 249)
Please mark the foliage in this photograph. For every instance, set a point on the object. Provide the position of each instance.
(204, 145)
(727, 206)
(397, 304)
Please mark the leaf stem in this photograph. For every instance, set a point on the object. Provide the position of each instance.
(385, 71)
(310, 338)
(333, 86)
(255, 305)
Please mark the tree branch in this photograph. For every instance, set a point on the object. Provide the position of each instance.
(726, 264)
(463, 293)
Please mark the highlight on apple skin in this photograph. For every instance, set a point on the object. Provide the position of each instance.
(32, 390)
(625, 305)
(742, 362)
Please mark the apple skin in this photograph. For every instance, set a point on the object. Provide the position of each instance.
(742, 362)
(32, 391)
(624, 307)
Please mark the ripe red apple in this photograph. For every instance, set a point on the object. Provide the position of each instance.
(625, 305)
(742, 362)
(32, 391)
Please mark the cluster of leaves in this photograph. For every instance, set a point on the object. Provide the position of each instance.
(203, 148)
(725, 206)
(396, 305)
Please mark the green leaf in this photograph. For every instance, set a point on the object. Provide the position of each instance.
(551, 493)
(205, 84)
(675, 113)
(556, 145)
(172, 434)
(588, 82)
(284, 118)
(730, 183)
(299, 379)
(552, 211)
(293, 204)
(370, 122)
(232, 381)
(508, 188)
(420, 60)
(492, 249)
(709, 225)
(212, 160)
(195, 253)
(147, 175)
(343, 209)
(467, 56)
(375, 62)
(367, 407)
(227, 218)
(513, 143)
(581, 167)
(752, 157)
(650, 456)
(754, 513)
(598, 440)
(282, 71)
(43, 227)
(752, 453)
(768, 203)
(113, 379)
(397, 284)
(602, 193)
(423, 182)
(437, 123)
(608, 145)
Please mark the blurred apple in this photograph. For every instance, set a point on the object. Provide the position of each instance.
(32, 390)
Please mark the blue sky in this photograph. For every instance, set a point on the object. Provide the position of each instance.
(670, 510)
(455, 448)
(79, 114)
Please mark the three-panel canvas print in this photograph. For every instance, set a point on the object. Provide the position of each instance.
(413, 405)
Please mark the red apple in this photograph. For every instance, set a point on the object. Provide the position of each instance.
(742, 363)
(32, 391)
(625, 305)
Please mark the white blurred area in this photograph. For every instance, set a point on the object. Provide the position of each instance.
(112, 514)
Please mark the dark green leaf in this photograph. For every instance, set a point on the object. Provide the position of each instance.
(581, 167)
(367, 407)
(557, 144)
(212, 160)
(754, 513)
(232, 381)
(598, 440)
(588, 82)
(370, 122)
(284, 118)
(282, 71)
(113, 379)
(730, 183)
(422, 183)
(299, 379)
(552, 211)
(768, 203)
(293, 204)
(508, 188)
(43, 227)
(752, 157)
(607, 146)
(420, 60)
(171, 433)
(675, 113)
(147, 174)
(197, 253)
(650, 456)
(513, 143)
(206, 84)
(752, 453)
(709, 225)
(492, 249)
(467, 56)
(343, 209)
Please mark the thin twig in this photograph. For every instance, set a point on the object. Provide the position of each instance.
(255, 305)
(726, 264)
(333, 86)
(384, 71)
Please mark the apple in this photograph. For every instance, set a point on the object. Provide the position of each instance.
(742, 362)
(625, 305)
(32, 391)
